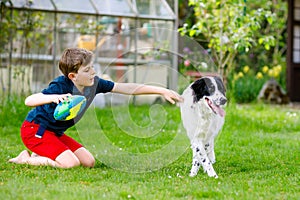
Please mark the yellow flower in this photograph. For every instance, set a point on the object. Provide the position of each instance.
(237, 76)
(271, 73)
(240, 74)
(259, 75)
(278, 68)
(246, 69)
(276, 73)
(265, 69)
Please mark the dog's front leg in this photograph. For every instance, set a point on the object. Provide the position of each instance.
(201, 158)
(196, 161)
(210, 151)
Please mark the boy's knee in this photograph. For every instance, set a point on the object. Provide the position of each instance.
(71, 163)
(67, 160)
(89, 163)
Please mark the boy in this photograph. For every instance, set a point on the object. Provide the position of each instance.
(52, 147)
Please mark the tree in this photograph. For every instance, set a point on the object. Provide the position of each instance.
(229, 28)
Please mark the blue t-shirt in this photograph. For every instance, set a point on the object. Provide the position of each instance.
(43, 114)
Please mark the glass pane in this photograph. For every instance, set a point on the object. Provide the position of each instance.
(82, 6)
(75, 30)
(297, 14)
(297, 43)
(39, 30)
(296, 31)
(36, 4)
(154, 39)
(117, 7)
(297, 3)
(115, 39)
(296, 56)
(171, 4)
(154, 8)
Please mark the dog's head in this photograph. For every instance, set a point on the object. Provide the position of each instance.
(212, 90)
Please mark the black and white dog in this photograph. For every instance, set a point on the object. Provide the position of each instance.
(203, 117)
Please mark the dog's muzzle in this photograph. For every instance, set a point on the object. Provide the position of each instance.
(223, 101)
(216, 106)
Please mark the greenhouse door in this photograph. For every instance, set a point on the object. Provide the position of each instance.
(293, 50)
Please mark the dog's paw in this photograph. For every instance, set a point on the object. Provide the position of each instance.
(194, 171)
(211, 173)
(193, 174)
(215, 176)
(211, 156)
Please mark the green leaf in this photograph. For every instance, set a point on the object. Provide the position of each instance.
(191, 2)
(270, 20)
(267, 46)
(192, 33)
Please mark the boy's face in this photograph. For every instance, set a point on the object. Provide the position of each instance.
(84, 77)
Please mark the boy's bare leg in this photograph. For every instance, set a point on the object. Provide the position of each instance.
(85, 157)
(66, 159)
(34, 154)
(21, 158)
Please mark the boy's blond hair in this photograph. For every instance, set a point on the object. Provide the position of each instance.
(73, 58)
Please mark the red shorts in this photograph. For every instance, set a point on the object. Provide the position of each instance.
(50, 145)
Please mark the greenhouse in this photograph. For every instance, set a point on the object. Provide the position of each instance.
(130, 38)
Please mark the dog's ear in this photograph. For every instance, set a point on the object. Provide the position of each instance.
(200, 88)
(220, 84)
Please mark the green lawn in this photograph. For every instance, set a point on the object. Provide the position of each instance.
(142, 157)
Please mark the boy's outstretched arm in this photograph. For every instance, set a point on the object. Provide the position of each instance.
(136, 89)
(41, 99)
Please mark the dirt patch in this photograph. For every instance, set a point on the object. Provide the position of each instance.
(294, 105)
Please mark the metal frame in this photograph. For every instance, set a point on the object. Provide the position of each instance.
(39, 5)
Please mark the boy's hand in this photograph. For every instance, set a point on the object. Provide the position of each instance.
(38, 99)
(172, 96)
(61, 98)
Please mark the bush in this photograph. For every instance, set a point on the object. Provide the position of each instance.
(12, 111)
(246, 89)
(246, 84)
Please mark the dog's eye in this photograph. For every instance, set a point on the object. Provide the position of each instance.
(221, 86)
(211, 88)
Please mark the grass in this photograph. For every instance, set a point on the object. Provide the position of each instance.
(257, 157)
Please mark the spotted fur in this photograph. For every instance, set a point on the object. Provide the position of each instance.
(203, 117)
